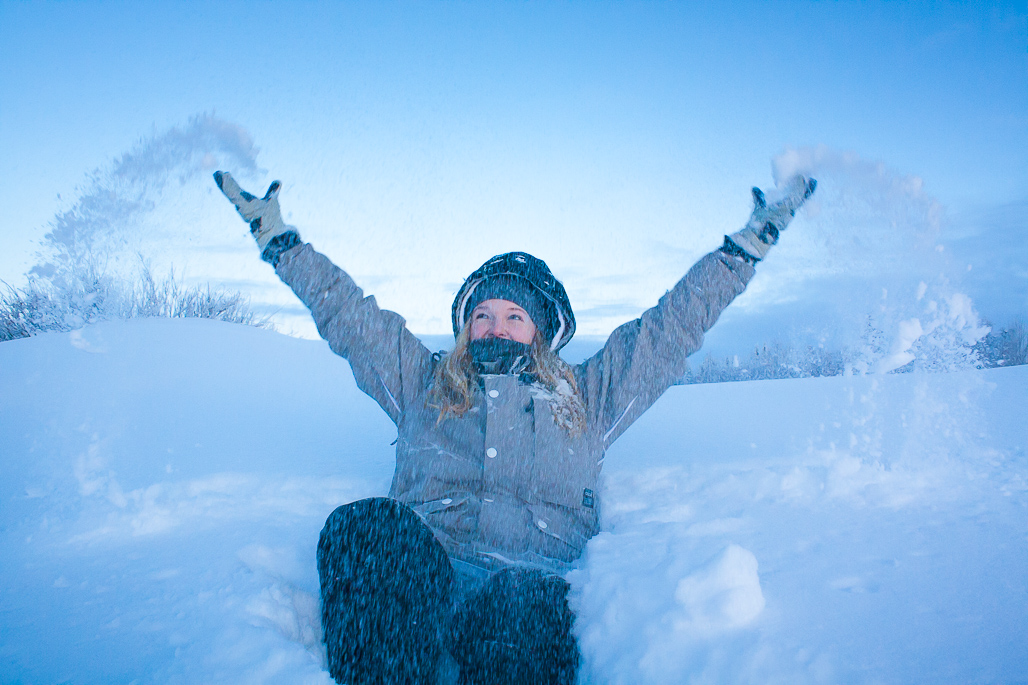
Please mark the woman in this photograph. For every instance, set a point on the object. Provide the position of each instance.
(498, 453)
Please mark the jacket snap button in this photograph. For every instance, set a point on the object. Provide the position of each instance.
(446, 501)
(494, 393)
(541, 524)
(491, 452)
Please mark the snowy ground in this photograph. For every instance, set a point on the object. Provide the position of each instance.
(163, 482)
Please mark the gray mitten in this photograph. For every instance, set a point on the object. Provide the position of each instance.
(768, 221)
(273, 236)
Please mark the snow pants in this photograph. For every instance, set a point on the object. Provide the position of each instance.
(393, 609)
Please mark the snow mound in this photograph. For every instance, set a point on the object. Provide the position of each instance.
(163, 484)
(723, 595)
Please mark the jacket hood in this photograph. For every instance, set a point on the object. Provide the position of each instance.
(558, 321)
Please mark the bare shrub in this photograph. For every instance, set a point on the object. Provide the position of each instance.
(168, 299)
(87, 295)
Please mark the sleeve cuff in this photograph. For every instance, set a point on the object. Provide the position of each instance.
(733, 250)
(278, 245)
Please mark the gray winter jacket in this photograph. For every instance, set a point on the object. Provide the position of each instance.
(505, 484)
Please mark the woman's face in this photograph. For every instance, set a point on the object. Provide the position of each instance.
(501, 319)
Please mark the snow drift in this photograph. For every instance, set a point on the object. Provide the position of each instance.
(163, 483)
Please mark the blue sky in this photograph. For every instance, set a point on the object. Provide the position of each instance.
(617, 141)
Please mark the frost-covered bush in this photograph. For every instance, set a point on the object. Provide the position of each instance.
(167, 298)
(1005, 347)
(70, 300)
(61, 304)
(86, 269)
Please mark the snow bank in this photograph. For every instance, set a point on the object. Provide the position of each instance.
(163, 483)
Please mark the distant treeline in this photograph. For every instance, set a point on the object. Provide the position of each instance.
(1000, 347)
(83, 294)
(1005, 347)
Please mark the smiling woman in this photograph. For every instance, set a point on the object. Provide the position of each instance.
(609, 138)
(499, 450)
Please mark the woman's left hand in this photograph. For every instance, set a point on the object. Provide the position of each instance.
(768, 221)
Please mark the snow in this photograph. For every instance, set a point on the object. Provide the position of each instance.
(163, 483)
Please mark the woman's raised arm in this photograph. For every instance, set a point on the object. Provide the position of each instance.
(643, 358)
(389, 363)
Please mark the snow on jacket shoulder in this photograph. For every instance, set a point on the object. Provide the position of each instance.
(504, 484)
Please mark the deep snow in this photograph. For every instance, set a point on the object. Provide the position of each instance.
(163, 482)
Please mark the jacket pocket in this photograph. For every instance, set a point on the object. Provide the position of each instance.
(566, 529)
(442, 504)
(566, 469)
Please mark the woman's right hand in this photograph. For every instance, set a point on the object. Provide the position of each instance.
(273, 236)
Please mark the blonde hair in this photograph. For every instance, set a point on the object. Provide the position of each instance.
(453, 389)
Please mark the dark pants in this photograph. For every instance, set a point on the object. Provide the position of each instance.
(389, 608)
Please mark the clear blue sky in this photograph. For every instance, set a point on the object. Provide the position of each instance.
(616, 140)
